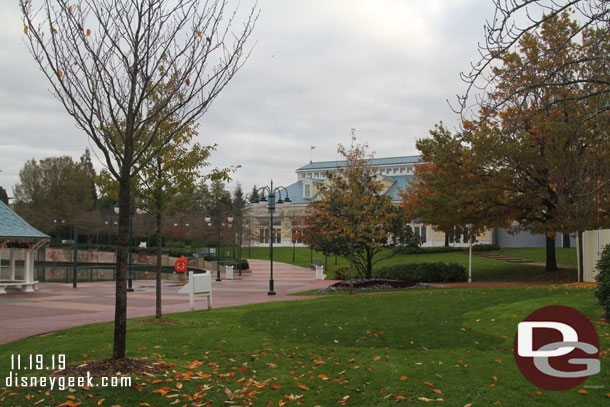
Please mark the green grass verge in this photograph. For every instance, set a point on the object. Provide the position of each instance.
(483, 269)
(538, 254)
(376, 349)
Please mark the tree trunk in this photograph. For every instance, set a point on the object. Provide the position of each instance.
(566, 240)
(551, 259)
(158, 313)
(581, 271)
(120, 307)
(351, 270)
(446, 239)
(369, 263)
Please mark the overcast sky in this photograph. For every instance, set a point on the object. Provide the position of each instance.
(318, 69)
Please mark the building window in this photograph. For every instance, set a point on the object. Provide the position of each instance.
(409, 169)
(307, 193)
(395, 170)
(421, 232)
(402, 169)
(263, 236)
(455, 236)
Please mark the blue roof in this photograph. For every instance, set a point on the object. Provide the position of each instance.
(295, 191)
(413, 159)
(14, 227)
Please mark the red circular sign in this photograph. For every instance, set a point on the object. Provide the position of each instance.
(556, 348)
(180, 265)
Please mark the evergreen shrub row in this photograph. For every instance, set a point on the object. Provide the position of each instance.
(423, 272)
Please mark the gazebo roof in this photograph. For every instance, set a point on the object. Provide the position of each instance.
(14, 229)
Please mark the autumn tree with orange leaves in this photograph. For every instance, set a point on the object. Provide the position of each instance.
(352, 215)
(535, 154)
(447, 193)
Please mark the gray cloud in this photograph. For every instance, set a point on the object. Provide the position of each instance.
(318, 68)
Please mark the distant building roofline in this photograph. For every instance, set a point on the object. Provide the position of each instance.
(413, 159)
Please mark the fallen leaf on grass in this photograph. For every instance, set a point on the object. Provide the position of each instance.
(403, 378)
(437, 391)
(302, 386)
(424, 399)
(343, 400)
(583, 391)
(428, 384)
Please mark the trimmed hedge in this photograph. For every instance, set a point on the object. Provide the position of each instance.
(602, 292)
(423, 272)
(424, 250)
(446, 249)
(485, 247)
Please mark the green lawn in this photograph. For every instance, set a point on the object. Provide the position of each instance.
(483, 269)
(451, 344)
(538, 254)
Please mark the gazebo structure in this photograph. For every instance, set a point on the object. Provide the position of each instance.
(16, 234)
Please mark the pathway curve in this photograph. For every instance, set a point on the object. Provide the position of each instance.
(59, 306)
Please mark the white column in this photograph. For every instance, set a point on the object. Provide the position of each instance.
(11, 273)
(28, 271)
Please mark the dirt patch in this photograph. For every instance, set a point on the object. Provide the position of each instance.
(111, 367)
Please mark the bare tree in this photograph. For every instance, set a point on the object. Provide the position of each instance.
(513, 21)
(105, 59)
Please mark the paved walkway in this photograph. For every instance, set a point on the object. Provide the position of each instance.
(59, 306)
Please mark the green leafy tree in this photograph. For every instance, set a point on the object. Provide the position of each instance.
(3, 195)
(353, 210)
(51, 189)
(253, 195)
(106, 61)
(171, 171)
(238, 206)
(87, 164)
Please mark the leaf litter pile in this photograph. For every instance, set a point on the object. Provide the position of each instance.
(111, 367)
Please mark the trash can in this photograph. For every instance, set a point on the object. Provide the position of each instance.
(229, 272)
(320, 273)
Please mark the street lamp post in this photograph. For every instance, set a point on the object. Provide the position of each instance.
(208, 219)
(271, 202)
(57, 227)
(129, 276)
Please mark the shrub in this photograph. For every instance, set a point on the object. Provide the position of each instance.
(243, 265)
(485, 247)
(342, 272)
(602, 291)
(423, 272)
(423, 250)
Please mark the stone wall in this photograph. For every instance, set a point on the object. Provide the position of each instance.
(60, 254)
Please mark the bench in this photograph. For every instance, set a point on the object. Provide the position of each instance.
(198, 284)
(17, 284)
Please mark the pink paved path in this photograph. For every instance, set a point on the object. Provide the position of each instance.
(58, 306)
